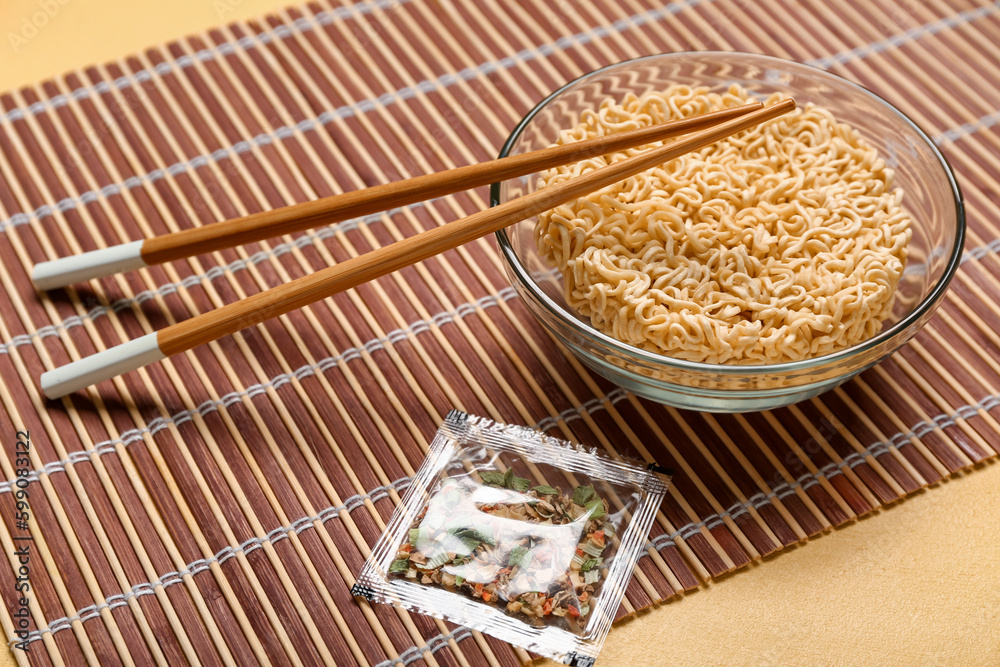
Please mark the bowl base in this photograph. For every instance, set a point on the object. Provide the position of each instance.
(712, 400)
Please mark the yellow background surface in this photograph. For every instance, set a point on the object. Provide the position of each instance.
(915, 584)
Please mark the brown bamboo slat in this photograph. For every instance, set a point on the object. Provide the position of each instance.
(215, 507)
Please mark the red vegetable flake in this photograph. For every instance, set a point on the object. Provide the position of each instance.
(512, 556)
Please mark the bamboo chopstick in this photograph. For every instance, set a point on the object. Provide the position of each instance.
(282, 299)
(270, 224)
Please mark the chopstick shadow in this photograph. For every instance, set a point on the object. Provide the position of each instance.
(218, 361)
(132, 316)
(111, 405)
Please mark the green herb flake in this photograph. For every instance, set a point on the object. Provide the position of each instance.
(583, 494)
(492, 477)
(520, 484)
(591, 564)
(596, 508)
(459, 580)
(470, 543)
(526, 561)
(484, 534)
(544, 490)
(399, 565)
(516, 557)
(469, 535)
(414, 536)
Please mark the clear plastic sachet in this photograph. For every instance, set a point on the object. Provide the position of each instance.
(517, 534)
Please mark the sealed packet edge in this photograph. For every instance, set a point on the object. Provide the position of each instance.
(458, 427)
(451, 430)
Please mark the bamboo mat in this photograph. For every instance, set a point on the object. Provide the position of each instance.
(215, 507)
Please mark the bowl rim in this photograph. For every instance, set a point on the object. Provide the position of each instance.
(647, 356)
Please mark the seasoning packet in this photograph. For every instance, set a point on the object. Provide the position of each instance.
(517, 534)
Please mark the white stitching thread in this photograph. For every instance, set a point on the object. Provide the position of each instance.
(308, 239)
(224, 554)
(594, 404)
(982, 123)
(852, 460)
(205, 55)
(301, 524)
(757, 500)
(808, 480)
(297, 526)
(434, 644)
(135, 435)
(526, 55)
(911, 35)
(981, 251)
(364, 106)
(305, 24)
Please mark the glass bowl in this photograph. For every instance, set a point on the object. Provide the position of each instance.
(932, 198)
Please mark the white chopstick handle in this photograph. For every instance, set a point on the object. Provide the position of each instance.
(93, 264)
(101, 366)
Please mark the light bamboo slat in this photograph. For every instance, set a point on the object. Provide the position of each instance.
(215, 507)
